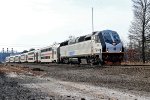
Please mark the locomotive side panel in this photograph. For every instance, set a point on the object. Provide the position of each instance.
(88, 48)
(76, 50)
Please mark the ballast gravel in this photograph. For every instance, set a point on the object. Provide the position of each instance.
(11, 88)
(63, 82)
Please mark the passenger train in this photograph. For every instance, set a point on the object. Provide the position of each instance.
(101, 47)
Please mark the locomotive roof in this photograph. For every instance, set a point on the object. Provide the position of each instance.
(77, 39)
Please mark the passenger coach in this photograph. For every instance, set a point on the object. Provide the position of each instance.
(17, 58)
(12, 59)
(24, 57)
(48, 54)
(33, 56)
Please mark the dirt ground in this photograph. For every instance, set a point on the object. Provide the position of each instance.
(74, 82)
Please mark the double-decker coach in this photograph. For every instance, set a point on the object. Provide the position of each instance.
(23, 57)
(7, 60)
(17, 58)
(48, 54)
(33, 56)
(12, 59)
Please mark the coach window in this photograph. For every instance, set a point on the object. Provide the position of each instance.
(31, 53)
(50, 49)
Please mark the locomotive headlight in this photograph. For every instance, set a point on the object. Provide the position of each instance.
(120, 49)
(107, 50)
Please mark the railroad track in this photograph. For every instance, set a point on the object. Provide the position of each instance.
(81, 66)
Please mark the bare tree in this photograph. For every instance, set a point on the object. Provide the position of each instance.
(141, 24)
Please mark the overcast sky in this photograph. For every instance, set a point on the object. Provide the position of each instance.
(28, 24)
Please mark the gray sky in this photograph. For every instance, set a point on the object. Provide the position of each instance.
(28, 24)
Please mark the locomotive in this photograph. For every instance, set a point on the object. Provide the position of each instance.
(100, 47)
(97, 48)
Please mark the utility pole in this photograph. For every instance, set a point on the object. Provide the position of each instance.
(92, 21)
(92, 4)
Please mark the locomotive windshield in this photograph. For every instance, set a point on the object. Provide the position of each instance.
(111, 36)
(115, 37)
(107, 37)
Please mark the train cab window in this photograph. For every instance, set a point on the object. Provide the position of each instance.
(107, 37)
(116, 37)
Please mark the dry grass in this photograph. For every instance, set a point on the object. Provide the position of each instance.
(19, 70)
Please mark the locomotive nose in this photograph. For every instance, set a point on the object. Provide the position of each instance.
(114, 43)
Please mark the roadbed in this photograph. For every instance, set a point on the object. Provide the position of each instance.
(74, 82)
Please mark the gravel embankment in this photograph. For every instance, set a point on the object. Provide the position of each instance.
(12, 85)
(11, 90)
(134, 79)
(71, 82)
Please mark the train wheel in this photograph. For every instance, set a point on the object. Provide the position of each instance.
(66, 61)
(108, 63)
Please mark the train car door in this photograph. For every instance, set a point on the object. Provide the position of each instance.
(52, 53)
(36, 57)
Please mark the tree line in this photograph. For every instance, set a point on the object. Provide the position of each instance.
(140, 29)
